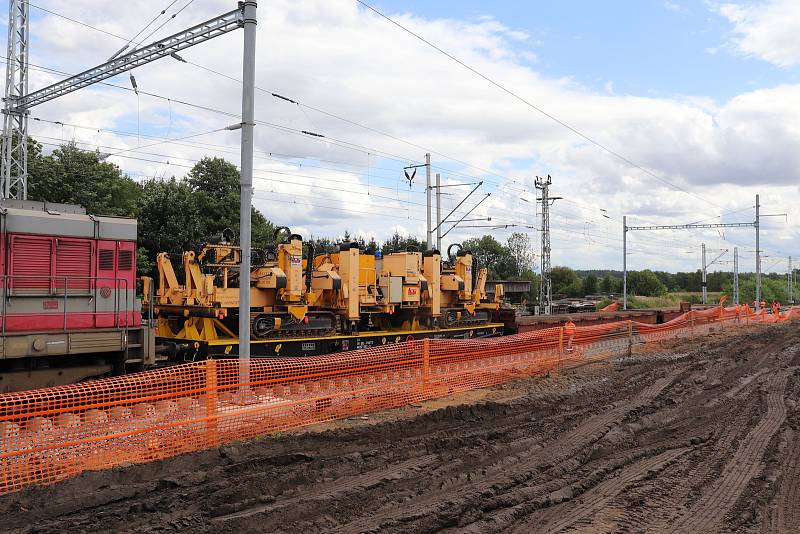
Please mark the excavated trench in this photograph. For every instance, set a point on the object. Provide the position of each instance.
(690, 437)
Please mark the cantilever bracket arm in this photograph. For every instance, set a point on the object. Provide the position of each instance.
(202, 32)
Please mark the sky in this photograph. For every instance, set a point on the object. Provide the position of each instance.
(667, 112)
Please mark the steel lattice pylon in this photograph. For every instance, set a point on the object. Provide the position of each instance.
(546, 283)
(14, 175)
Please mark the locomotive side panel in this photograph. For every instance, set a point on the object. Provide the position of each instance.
(60, 274)
(68, 309)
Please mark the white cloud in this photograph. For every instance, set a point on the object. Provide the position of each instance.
(330, 54)
(674, 6)
(767, 30)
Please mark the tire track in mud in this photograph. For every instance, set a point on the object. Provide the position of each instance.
(654, 507)
(785, 516)
(511, 474)
(594, 499)
(651, 505)
(782, 512)
(659, 502)
(708, 512)
(338, 488)
(512, 440)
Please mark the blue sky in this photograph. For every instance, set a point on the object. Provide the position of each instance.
(644, 47)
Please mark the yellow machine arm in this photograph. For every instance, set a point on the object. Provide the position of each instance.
(479, 293)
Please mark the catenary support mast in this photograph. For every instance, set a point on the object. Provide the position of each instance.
(248, 124)
(546, 282)
(14, 174)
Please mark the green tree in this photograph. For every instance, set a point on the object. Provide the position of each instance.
(520, 247)
(493, 255)
(372, 246)
(610, 284)
(215, 186)
(770, 289)
(169, 220)
(645, 283)
(574, 289)
(322, 244)
(399, 243)
(563, 278)
(589, 285)
(70, 175)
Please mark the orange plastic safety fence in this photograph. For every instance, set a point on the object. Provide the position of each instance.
(50, 434)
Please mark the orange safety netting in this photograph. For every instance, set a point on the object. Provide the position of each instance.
(54, 433)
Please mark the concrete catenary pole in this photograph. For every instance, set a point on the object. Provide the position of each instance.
(704, 283)
(736, 275)
(789, 289)
(758, 256)
(624, 262)
(438, 212)
(428, 233)
(248, 124)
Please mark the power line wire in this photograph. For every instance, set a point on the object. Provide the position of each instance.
(168, 20)
(535, 107)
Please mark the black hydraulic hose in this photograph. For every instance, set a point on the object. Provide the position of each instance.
(450, 249)
(278, 231)
(309, 266)
(474, 272)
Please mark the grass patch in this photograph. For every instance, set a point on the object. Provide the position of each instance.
(671, 300)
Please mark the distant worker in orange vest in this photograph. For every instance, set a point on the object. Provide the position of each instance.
(569, 331)
(763, 304)
(776, 307)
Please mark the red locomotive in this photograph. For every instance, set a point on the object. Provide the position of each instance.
(68, 286)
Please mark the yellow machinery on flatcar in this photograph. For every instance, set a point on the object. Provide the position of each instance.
(342, 295)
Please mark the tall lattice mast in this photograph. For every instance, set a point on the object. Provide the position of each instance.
(14, 175)
(546, 284)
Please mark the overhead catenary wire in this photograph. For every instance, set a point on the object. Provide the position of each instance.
(170, 158)
(170, 19)
(604, 241)
(533, 106)
(158, 16)
(132, 39)
(260, 176)
(228, 148)
(76, 21)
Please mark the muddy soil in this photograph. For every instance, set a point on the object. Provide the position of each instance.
(701, 437)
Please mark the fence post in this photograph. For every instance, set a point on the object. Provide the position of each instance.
(691, 325)
(630, 338)
(211, 401)
(426, 361)
(560, 348)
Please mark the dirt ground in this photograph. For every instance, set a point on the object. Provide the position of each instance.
(698, 437)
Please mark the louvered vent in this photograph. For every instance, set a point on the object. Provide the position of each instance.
(73, 261)
(31, 257)
(106, 262)
(125, 260)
